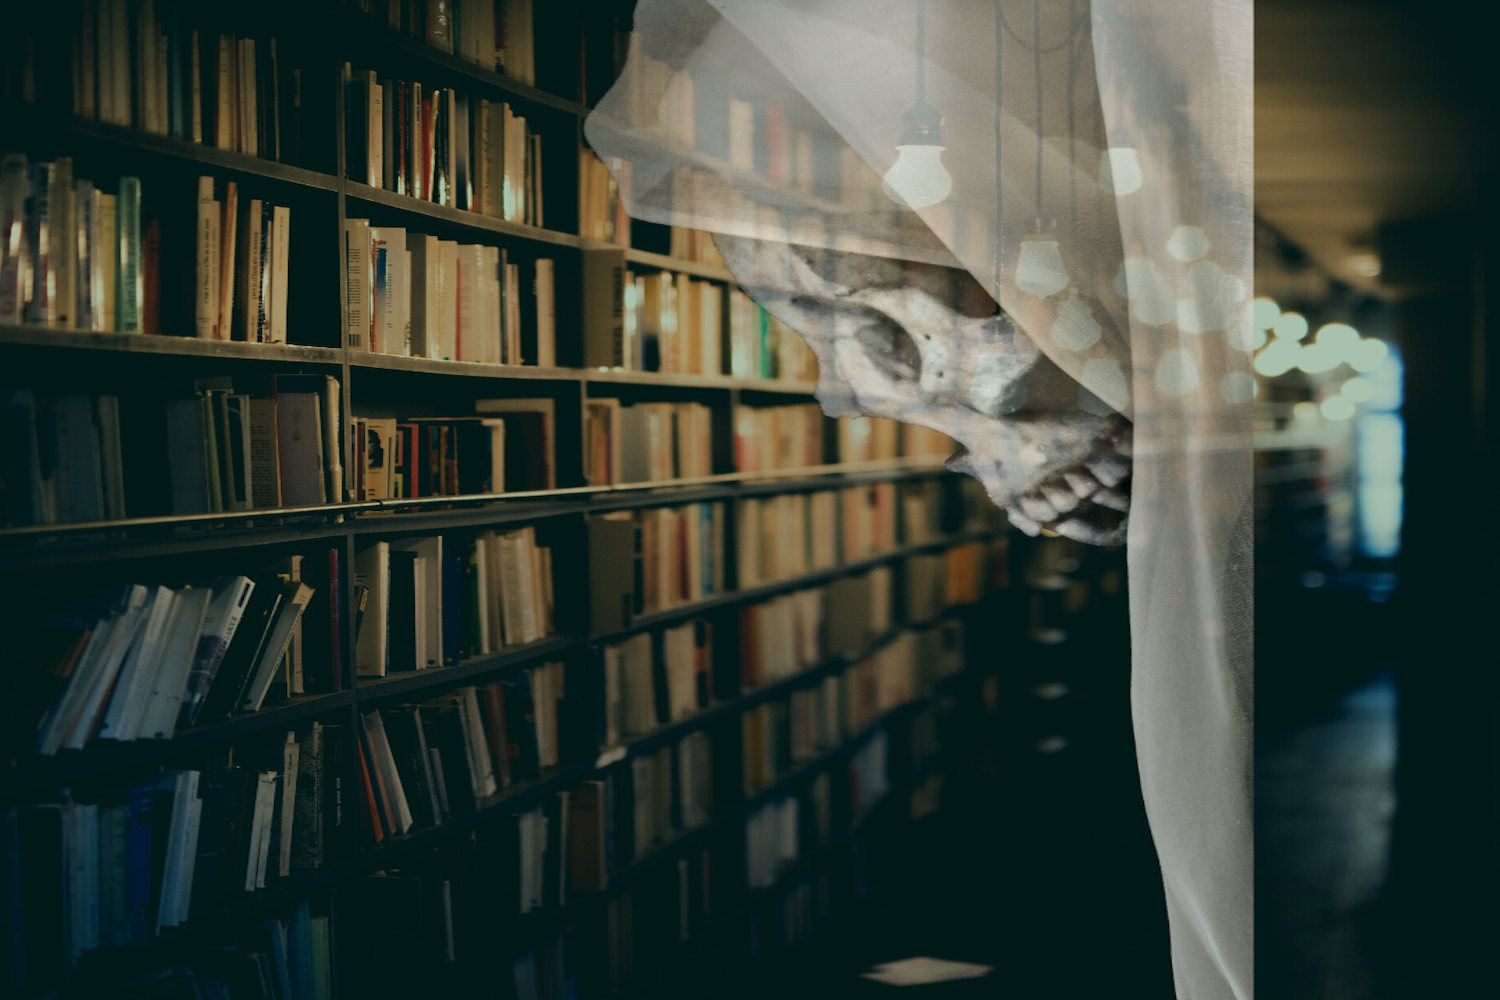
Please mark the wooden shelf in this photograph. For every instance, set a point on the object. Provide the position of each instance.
(155, 343)
(43, 122)
(367, 29)
(357, 192)
(37, 774)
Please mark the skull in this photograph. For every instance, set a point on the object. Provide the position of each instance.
(925, 344)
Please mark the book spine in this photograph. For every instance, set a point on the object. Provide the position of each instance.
(129, 294)
(206, 263)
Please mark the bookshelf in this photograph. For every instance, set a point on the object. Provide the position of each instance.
(588, 937)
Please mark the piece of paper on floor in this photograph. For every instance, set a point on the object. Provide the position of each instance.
(923, 970)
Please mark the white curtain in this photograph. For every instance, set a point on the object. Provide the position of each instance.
(1100, 156)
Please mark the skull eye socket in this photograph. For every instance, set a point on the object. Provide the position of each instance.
(890, 348)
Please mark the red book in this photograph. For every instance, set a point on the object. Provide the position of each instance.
(367, 793)
(492, 707)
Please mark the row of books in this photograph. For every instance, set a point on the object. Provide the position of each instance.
(140, 661)
(672, 322)
(276, 446)
(694, 245)
(673, 791)
(241, 266)
(427, 602)
(784, 636)
(778, 437)
(77, 255)
(787, 535)
(645, 561)
(60, 461)
(869, 772)
(692, 109)
(414, 295)
(420, 765)
(643, 690)
(443, 147)
(511, 448)
(117, 866)
(493, 34)
(940, 580)
(139, 65)
(772, 833)
(646, 442)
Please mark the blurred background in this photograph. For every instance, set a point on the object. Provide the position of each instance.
(1376, 266)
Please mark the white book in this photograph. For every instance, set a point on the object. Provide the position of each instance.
(494, 302)
(206, 262)
(448, 300)
(281, 224)
(375, 130)
(372, 570)
(138, 673)
(83, 881)
(90, 281)
(178, 650)
(545, 290)
(359, 283)
(189, 863)
(260, 831)
(469, 330)
(184, 785)
(96, 685)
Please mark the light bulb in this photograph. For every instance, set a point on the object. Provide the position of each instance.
(918, 178)
(1040, 270)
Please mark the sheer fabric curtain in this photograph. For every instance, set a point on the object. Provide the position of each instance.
(1100, 157)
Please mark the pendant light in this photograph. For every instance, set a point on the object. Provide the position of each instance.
(918, 178)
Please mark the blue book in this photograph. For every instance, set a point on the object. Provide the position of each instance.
(299, 943)
(382, 301)
(452, 602)
(277, 932)
(139, 841)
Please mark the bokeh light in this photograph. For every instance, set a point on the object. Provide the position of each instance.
(1290, 326)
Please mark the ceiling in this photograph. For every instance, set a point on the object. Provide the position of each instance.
(1364, 114)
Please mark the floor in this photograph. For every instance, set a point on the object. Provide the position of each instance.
(1324, 802)
(1049, 875)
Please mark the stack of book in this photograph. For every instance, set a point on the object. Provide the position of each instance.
(178, 846)
(641, 693)
(61, 460)
(763, 347)
(236, 450)
(138, 65)
(781, 637)
(512, 449)
(422, 764)
(139, 661)
(880, 683)
(76, 257)
(645, 561)
(422, 603)
(493, 34)
(787, 535)
(443, 147)
(778, 437)
(241, 266)
(414, 295)
(673, 791)
(647, 442)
